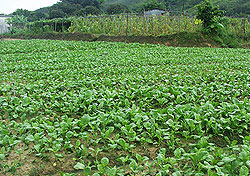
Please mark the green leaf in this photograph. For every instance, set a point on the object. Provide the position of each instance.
(2, 156)
(177, 153)
(123, 143)
(243, 156)
(177, 173)
(138, 157)
(78, 143)
(37, 136)
(145, 158)
(227, 159)
(37, 147)
(112, 171)
(149, 140)
(244, 171)
(105, 161)
(59, 155)
(79, 166)
(30, 138)
(85, 120)
(100, 168)
(19, 151)
(83, 149)
(96, 174)
(56, 147)
(133, 165)
(87, 171)
(248, 163)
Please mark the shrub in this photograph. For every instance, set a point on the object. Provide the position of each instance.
(117, 9)
(89, 10)
(210, 16)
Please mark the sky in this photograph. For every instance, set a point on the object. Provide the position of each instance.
(9, 6)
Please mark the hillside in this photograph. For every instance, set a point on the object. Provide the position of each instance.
(67, 8)
(132, 4)
(232, 7)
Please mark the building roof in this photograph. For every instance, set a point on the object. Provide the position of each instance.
(155, 12)
(5, 16)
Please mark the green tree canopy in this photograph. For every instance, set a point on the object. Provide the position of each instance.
(117, 9)
(56, 13)
(88, 10)
(209, 14)
(84, 3)
(151, 4)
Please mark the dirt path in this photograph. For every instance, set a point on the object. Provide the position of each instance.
(8, 39)
(183, 39)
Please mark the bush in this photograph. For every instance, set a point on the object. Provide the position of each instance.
(210, 16)
(151, 5)
(117, 9)
(56, 13)
(89, 10)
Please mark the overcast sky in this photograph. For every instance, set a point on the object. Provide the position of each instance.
(9, 6)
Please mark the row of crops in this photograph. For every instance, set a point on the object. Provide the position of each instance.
(80, 108)
(135, 25)
(128, 24)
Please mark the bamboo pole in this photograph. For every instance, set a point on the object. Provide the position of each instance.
(103, 22)
(131, 25)
(143, 32)
(55, 26)
(127, 26)
(62, 26)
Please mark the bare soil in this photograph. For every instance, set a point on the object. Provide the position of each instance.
(8, 39)
(176, 40)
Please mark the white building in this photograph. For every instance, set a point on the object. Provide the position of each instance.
(155, 12)
(4, 26)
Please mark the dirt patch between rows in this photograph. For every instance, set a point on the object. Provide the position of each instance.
(182, 39)
(8, 39)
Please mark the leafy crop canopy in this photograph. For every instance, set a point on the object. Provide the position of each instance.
(115, 109)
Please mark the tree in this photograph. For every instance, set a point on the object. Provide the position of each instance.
(151, 4)
(25, 13)
(36, 16)
(88, 10)
(117, 9)
(18, 21)
(56, 13)
(20, 12)
(209, 15)
(84, 3)
(64, 9)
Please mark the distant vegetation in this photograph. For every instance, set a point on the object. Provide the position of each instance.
(67, 8)
(66, 16)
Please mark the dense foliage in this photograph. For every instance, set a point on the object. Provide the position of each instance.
(210, 16)
(117, 9)
(151, 5)
(123, 109)
(232, 7)
(66, 8)
(29, 15)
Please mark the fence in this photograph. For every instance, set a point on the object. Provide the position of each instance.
(238, 27)
(128, 24)
(136, 24)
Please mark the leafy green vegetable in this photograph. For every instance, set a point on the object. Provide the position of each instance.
(138, 109)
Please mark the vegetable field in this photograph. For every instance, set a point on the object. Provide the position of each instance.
(81, 108)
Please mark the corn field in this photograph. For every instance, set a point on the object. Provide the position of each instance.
(134, 24)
